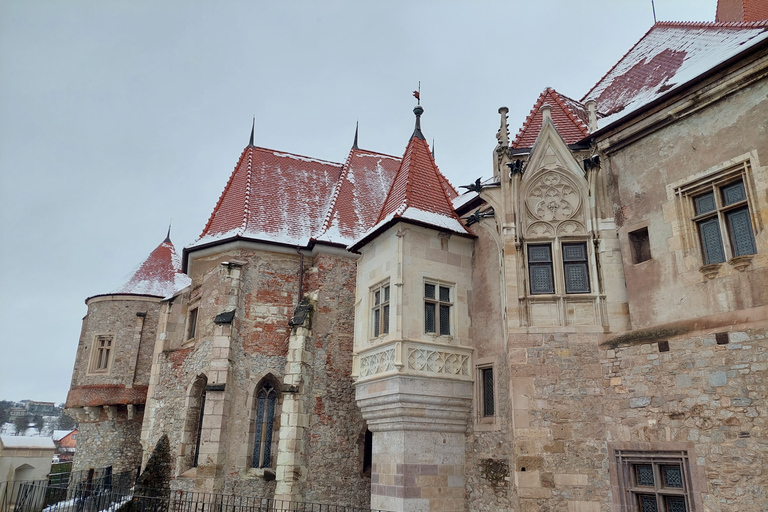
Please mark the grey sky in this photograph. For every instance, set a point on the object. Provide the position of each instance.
(117, 116)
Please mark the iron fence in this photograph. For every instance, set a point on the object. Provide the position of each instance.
(113, 493)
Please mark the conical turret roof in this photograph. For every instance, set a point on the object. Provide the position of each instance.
(159, 275)
(419, 192)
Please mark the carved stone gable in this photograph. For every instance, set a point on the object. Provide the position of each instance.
(554, 205)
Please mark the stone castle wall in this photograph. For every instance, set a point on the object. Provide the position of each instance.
(108, 442)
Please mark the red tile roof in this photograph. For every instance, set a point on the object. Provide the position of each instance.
(569, 116)
(158, 276)
(357, 198)
(273, 196)
(419, 193)
(741, 10)
(669, 55)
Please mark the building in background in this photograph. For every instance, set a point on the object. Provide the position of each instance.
(585, 330)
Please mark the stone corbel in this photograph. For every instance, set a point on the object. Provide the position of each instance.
(93, 413)
(131, 411)
(741, 263)
(710, 271)
(78, 414)
(111, 411)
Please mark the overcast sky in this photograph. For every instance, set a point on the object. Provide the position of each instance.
(116, 117)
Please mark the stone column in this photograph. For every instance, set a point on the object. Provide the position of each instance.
(419, 423)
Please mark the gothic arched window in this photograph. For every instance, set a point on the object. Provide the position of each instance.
(265, 421)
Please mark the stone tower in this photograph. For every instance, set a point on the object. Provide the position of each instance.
(112, 366)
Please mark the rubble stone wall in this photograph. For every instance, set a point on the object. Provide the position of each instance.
(108, 442)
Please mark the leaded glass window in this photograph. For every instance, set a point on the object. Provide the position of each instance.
(437, 308)
(654, 481)
(575, 268)
(266, 402)
(489, 406)
(540, 269)
(724, 208)
(380, 310)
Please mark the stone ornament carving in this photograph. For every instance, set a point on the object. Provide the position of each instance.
(378, 362)
(554, 206)
(438, 361)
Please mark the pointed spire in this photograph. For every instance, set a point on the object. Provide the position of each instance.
(433, 148)
(354, 144)
(168, 236)
(253, 128)
(418, 110)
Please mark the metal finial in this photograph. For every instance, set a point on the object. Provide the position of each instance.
(433, 148)
(168, 236)
(354, 144)
(253, 127)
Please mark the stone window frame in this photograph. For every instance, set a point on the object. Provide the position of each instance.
(439, 303)
(191, 325)
(639, 243)
(191, 438)
(265, 434)
(625, 456)
(484, 422)
(713, 180)
(381, 311)
(94, 365)
(558, 265)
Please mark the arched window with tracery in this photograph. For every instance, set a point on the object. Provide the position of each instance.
(265, 422)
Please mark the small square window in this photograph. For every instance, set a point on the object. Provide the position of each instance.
(640, 245)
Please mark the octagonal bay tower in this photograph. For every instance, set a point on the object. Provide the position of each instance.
(113, 362)
(413, 355)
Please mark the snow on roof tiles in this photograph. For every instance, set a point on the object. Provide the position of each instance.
(273, 196)
(159, 275)
(358, 195)
(27, 442)
(669, 55)
(569, 116)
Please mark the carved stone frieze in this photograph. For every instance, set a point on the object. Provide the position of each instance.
(377, 362)
(438, 361)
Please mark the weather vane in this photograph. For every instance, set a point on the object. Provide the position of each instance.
(417, 94)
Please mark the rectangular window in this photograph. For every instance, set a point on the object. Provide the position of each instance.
(101, 354)
(575, 267)
(655, 481)
(724, 209)
(192, 323)
(640, 244)
(437, 309)
(489, 408)
(540, 269)
(380, 310)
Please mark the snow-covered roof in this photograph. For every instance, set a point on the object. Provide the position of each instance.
(668, 56)
(26, 442)
(159, 275)
(569, 116)
(419, 192)
(58, 435)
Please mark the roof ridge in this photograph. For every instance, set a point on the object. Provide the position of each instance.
(580, 123)
(335, 193)
(247, 198)
(361, 150)
(224, 192)
(288, 153)
(711, 24)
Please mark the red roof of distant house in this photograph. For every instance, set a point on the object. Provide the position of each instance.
(159, 275)
(569, 116)
(668, 56)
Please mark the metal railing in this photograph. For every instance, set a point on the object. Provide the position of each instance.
(113, 493)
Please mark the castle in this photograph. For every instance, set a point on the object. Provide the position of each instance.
(584, 331)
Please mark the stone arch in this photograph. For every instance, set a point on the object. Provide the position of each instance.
(192, 436)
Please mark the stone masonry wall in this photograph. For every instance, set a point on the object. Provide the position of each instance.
(107, 442)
